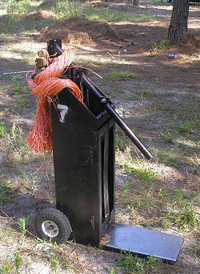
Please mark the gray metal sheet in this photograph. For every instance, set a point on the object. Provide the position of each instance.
(144, 242)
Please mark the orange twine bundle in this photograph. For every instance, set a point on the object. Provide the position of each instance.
(46, 85)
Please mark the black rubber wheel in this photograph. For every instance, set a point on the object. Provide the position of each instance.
(52, 224)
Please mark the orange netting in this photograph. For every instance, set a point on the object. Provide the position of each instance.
(46, 85)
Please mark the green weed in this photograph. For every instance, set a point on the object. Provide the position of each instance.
(126, 188)
(141, 170)
(169, 158)
(119, 143)
(121, 74)
(146, 173)
(3, 130)
(181, 212)
(168, 137)
(67, 9)
(196, 163)
(112, 15)
(112, 94)
(5, 188)
(32, 181)
(35, 184)
(22, 224)
(18, 262)
(16, 24)
(182, 216)
(18, 7)
(23, 102)
(160, 45)
(6, 269)
(2, 88)
(18, 89)
(155, 2)
(126, 193)
(152, 263)
(16, 140)
(187, 126)
(166, 195)
(147, 92)
(136, 265)
(55, 264)
(145, 198)
(68, 266)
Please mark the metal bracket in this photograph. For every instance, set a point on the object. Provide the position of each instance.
(63, 111)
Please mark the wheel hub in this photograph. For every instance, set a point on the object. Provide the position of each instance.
(50, 228)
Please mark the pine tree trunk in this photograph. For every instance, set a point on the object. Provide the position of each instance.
(177, 32)
(136, 2)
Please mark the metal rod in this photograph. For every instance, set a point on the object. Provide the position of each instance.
(117, 118)
(16, 72)
(128, 131)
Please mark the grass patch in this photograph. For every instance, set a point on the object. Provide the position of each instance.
(183, 216)
(180, 210)
(160, 45)
(3, 129)
(189, 111)
(17, 24)
(14, 7)
(16, 141)
(120, 142)
(154, 2)
(142, 198)
(6, 269)
(168, 207)
(5, 188)
(55, 264)
(14, 20)
(168, 137)
(195, 160)
(187, 126)
(146, 199)
(18, 88)
(67, 9)
(121, 74)
(23, 102)
(111, 15)
(134, 264)
(147, 93)
(142, 170)
(169, 158)
(18, 262)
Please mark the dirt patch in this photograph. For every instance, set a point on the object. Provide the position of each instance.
(80, 30)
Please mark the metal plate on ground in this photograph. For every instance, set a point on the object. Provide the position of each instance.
(144, 242)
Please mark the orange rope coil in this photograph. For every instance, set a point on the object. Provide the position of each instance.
(46, 85)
